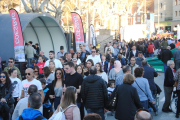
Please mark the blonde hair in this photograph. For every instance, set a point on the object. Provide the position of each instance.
(54, 66)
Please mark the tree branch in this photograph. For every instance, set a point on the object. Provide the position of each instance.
(27, 9)
(50, 9)
(53, 5)
(36, 4)
(42, 5)
(32, 5)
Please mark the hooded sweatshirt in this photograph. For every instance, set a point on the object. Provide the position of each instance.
(94, 92)
(30, 114)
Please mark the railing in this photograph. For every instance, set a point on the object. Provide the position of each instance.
(168, 18)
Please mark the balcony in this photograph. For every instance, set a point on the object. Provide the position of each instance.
(168, 18)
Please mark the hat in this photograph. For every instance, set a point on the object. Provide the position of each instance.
(61, 47)
(63, 58)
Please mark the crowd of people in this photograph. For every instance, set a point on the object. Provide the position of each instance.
(82, 85)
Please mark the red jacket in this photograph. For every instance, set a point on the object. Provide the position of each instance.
(150, 48)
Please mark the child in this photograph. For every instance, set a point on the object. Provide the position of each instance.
(104, 63)
(47, 107)
(41, 64)
(110, 90)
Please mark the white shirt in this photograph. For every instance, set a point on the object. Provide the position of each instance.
(26, 84)
(104, 76)
(95, 59)
(134, 52)
(78, 61)
(56, 61)
(112, 49)
(17, 87)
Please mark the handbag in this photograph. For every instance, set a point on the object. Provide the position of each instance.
(113, 102)
(176, 82)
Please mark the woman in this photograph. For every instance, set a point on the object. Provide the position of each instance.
(126, 53)
(47, 74)
(36, 72)
(86, 55)
(68, 105)
(116, 71)
(177, 82)
(41, 64)
(127, 99)
(101, 73)
(79, 69)
(17, 85)
(89, 64)
(6, 98)
(56, 87)
(111, 65)
(142, 86)
(109, 55)
(74, 55)
(121, 59)
(52, 66)
(151, 49)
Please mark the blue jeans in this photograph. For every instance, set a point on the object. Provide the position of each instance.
(145, 104)
(153, 105)
(150, 54)
(56, 102)
(165, 67)
(29, 61)
(97, 111)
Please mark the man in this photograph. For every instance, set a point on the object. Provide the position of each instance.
(30, 51)
(143, 115)
(139, 59)
(166, 55)
(133, 65)
(94, 93)
(61, 53)
(11, 63)
(178, 43)
(32, 112)
(109, 46)
(116, 50)
(149, 74)
(168, 85)
(126, 70)
(164, 44)
(156, 44)
(42, 54)
(72, 78)
(31, 81)
(172, 45)
(23, 103)
(94, 57)
(71, 51)
(176, 56)
(68, 57)
(86, 47)
(133, 52)
(74, 60)
(56, 61)
(98, 53)
(83, 53)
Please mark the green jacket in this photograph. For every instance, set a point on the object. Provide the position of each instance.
(164, 44)
(19, 73)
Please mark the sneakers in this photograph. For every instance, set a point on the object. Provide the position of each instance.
(156, 113)
(177, 116)
(166, 111)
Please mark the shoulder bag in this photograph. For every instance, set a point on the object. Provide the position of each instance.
(113, 101)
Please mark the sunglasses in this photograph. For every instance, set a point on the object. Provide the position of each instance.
(93, 51)
(36, 71)
(2, 76)
(10, 61)
(60, 59)
(27, 73)
(79, 53)
(58, 73)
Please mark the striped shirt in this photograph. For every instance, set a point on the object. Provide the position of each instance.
(177, 78)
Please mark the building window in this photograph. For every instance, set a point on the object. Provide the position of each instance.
(176, 13)
(161, 15)
(179, 2)
(179, 13)
(138, 13)
(161, 5)
(138, 19)
(175, 2)
(138, 4)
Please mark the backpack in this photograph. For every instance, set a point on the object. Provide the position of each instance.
(60, 115)
(37, 118)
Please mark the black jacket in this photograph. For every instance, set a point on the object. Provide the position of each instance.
(172, 45)
(131, 54)
(6, 91)
(94, 92)
(128, 102)
(156, 44)
(166, 55)
(169, 78)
